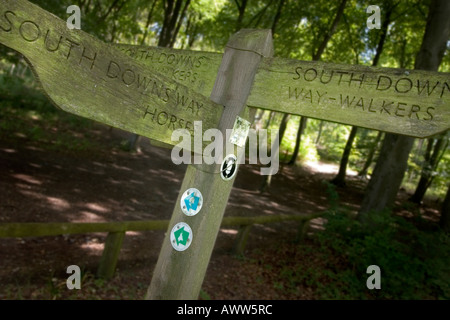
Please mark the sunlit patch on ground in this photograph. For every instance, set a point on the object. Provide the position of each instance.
(327, 168)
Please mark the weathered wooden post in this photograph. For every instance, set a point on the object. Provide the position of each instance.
(108, 262)
(86, 77)
(179, 275)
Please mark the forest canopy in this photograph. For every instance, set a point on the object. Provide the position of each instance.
(327, 31)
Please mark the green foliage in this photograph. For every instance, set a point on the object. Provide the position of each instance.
(334, 137)
(27, 115)
(414, 263)
(307, 152)
(413, 256)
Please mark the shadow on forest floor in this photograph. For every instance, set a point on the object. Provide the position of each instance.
(41, 182)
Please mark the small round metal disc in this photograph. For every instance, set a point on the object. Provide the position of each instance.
(191, 201)
(181, 236)
(229, 167)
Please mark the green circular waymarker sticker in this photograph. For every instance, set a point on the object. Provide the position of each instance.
(181, 236)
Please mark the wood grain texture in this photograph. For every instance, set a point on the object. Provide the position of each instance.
(196, 70)
(42, 229)
(179, 275)
(87, 77)
(110, 255)
(408, 102)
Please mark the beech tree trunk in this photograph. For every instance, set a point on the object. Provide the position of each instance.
(173, 16)
(430, 165)
(301, 128)
(339, 180)
(268, 178)
(370, 156)
(316, 56)
(391, 165)
(445, 213)
(331, 31)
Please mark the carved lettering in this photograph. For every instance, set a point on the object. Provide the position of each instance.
(399, 109)
(9, 23)
(427, 84)
(29, 31)
(387, 86)
(92, 59)
(329, 79)
(71, 46)
(310, 76)
(430, 115)
(46, 41)
(405, 87)
(414, 110)
(388, 108)
(443, 88)
(163, 118)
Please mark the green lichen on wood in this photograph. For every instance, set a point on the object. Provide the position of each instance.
(87, 77)
(408, 102)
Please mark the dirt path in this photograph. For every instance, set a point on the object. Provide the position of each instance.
(38, 185)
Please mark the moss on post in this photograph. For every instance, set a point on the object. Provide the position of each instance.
(110, 255)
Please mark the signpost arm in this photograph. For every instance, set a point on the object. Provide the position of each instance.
(180, 274)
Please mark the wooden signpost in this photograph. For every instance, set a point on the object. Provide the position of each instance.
(409, 102)
(154, 91)
(84, 76)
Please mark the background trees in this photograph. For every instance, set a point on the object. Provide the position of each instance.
(333, 31)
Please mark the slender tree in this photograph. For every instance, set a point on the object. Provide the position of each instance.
(174, 13)
(148, 21)
(391, 165)
(241, 5)
(445, 212)
(370, 155)
(430, 165)
(301, 129)
(316, 56)
(340, 11)
(339, 180)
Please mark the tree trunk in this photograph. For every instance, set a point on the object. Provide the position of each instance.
(387, 175)
(169, 32)
(241, 9)
(339, 180)
(445, 213)
(391, 165)
(172, 17)
(316, 57)
(319, 133)
(301, 129)
(430, 165)
(331, 31)
(147, 24)
(269, 119)
(268, 178)
(383, 30)
(369, 159)
(178, 24)
(277, 16)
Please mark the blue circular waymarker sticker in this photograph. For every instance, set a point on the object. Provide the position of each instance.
(191, 202)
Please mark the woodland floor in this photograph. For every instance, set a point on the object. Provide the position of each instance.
(39, 183)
